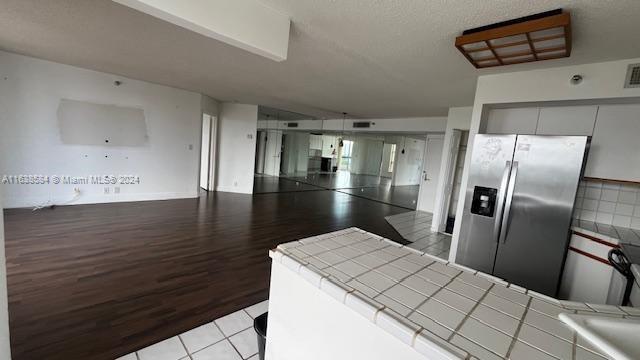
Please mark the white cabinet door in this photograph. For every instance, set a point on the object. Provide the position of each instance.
(585, 279)
(567, 120)
(512, 121)
(615, 147)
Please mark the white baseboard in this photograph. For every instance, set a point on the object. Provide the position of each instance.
(25, 202)
(235, 190)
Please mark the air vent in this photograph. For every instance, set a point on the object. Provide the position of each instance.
(362, 124)
(633, 76)
(292, 124)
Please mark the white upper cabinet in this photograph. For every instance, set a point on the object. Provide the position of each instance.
(615, 130)
(512, 121)
(567, 120)
(615, 146)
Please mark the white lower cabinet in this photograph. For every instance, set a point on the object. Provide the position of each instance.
(586, 279)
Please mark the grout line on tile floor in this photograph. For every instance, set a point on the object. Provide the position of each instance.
(184, 346)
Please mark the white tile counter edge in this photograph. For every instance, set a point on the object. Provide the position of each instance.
(420, 339)
(426, 344)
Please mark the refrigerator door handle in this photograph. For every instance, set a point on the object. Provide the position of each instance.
(501, 194)
(507, 207)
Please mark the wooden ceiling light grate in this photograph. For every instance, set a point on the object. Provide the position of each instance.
(537, 37)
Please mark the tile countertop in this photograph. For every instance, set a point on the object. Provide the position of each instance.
(610, 233)
(436, 306)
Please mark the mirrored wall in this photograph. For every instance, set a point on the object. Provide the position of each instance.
(295, 152)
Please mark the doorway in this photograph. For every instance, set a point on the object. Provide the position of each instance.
(454, 180)
(207, 152)
(261, 149)
(430, 173)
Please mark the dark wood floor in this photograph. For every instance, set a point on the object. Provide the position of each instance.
(100, 281)
(342, 180)
(405, 196)
(270, 184)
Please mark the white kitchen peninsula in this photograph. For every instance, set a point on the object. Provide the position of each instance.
(351, 295)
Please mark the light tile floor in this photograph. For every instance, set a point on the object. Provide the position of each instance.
(230, 337)
(415, 226)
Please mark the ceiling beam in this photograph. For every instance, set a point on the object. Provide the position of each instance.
(246, 24)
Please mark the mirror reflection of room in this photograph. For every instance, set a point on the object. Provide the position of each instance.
(297, 152)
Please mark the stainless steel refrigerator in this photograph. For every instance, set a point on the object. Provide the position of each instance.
(518, 207)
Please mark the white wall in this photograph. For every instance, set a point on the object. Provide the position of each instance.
(237, 128)
(30, 140)
(366, 156)
(273, 149)
(416, 124)
(249, 24)
(296, 152)
(459, 118)
(408, 165)
(413, 125)
(302, 143)
(386, 160)
(209, 105)
(602, 81)
(5, 346)
(329, 144)
(282, 124)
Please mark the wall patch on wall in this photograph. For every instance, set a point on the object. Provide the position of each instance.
(86, 123)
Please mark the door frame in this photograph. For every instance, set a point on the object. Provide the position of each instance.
(424, 159)
(211, 166)
(450, 162)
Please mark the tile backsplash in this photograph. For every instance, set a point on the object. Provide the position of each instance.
(608, 203)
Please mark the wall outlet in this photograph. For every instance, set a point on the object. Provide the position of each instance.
(107, 191)
(190, 146)
(116, 190)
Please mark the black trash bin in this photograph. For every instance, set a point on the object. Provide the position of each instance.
(260, 326)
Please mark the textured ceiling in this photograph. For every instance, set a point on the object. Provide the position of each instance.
(370, 58)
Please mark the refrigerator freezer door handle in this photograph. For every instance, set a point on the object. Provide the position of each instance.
(507, 207)
(501, 194)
